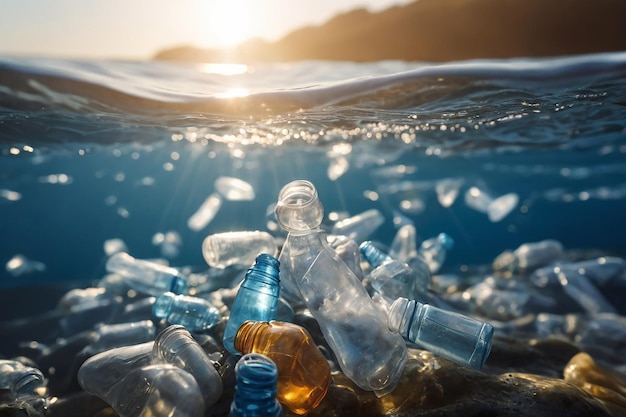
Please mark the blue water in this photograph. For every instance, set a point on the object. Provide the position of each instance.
(96, 150)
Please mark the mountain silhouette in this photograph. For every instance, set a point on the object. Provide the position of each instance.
(441, 30)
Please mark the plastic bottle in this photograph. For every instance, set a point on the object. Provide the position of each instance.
(355, 329)
(303, 369)
(360, 226)
(255, 389)
(348, 251)
(23, 381)
(456, 337)
(223, 249)
(404, 244)
(536, 254)
(176, 346)
(392, 278)
(434, 250)
(145, 276)
(192, 312)
(257, 298)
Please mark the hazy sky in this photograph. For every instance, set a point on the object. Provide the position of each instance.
(139, 28)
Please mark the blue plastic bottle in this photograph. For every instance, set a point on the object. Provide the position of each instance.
(451, 335)
(255, 389)
(392, 278)
(257, 298)
(192, 312)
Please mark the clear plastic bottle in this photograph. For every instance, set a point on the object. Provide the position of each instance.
(255, 389)
(176, 346)
(257, 298)
(145, 276)
(348, 251)
(529, 256)
(192, 312)
(224, 249)
(456, 337)
(23, 381)
(160, 390)
(360, 226)
(392, 278)
(434, 251)
(404, 244)
(303, 369)
(355, 329)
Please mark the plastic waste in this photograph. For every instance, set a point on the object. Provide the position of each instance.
(303, 369)
(23, 381)
(234, 189)
(454, 336)
(145, 276)
(392, 278)
(175, 345)
(255, 389)
(434, 251)
(192, 312)
(404, 244)
(348, 250)
(360, 226)
(205, 213)
(224, 249)
(257, 298)
(355, 329)
(530, 256)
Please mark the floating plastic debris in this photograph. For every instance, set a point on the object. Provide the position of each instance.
(448, 190)
(360, 226)
(256, 387)
(206, 213)
(354, 327)
(20, 265)
(229, 248)
(113, 246)
(10, 195)
(339, 165)
(62, 179)
(169, 243)
(304, 371)
(256, 299)
(477, 199)
(146, 276)
(456, 337)
(234, 189)
(499, 208)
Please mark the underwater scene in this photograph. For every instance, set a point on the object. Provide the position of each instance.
(436, 239)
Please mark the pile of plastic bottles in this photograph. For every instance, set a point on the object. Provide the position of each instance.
(153, 340)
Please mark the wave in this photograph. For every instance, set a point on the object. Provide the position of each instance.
(81, 98)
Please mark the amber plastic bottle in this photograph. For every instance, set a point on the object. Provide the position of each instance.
(303, 372)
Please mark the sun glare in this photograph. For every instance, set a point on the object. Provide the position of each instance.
(226, 23)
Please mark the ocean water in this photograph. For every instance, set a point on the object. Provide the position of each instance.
(101, 155)
(98, 150)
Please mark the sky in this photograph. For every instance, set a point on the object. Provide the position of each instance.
(137, 29)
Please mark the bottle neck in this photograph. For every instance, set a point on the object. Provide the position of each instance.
(244, 339)
(266, 269)
(374, 256)
(255, 389)
(170, 342)
(299, 209)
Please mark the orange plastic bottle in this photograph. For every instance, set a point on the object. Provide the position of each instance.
(303, 372)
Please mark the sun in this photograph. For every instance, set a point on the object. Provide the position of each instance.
(225, 23)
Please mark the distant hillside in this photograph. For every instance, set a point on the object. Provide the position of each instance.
(442, 30)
